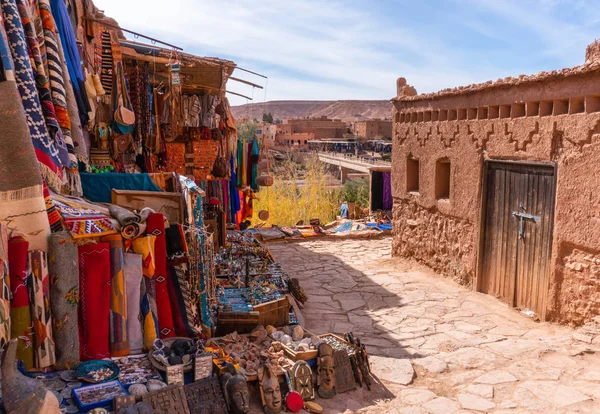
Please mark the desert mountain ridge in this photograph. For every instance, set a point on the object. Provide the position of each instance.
(345, 110)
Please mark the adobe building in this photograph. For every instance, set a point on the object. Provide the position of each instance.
(373, 128)
(300, 131)
(498, 186)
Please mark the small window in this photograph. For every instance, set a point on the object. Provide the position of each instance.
(412, 175)
(442, 180)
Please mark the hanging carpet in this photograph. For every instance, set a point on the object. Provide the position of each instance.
(4, 288)
(145, 247)
(132, 272)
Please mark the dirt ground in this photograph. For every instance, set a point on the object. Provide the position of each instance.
(437, 347)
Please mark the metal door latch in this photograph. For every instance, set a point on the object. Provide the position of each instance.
(522, 217)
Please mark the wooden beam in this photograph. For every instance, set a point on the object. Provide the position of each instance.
(246, 82)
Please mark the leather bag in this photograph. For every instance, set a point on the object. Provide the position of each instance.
(220, 167)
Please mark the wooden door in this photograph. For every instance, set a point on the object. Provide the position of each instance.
(517, 233)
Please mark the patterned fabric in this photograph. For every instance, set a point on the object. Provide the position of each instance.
(46, 151)
(63, 265)
(4, 289)
(119, 345)
(84, 223)
(178, 290)
(94, 301)
(106, 62)
(156, 227)
(44, 349)
(51, 211)
(54, 69)
(133, 279)
(145, 247)
(20, 314)
(43, 85)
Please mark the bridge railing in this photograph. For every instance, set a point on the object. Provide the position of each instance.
(353, 157)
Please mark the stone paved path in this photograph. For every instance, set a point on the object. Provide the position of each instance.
(470, 352)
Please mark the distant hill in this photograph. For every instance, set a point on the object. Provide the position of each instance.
(344, 110)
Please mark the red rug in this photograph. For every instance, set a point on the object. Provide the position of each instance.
(20, 313)
(156, 227)
(94, 301)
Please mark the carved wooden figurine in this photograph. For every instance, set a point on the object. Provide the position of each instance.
(326, 369)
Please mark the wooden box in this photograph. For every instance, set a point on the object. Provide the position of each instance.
(169, 204)
(300, 355)
(274, 313)
(242, 322)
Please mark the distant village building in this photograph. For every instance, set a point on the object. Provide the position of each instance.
(266, 132)
(297, 132)
(373, 128)
(498, 185)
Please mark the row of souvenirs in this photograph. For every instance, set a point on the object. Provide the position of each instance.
(211, 378)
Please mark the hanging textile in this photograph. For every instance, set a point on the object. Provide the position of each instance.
(145, 247)
(94, 301)
(45, 149)
(132, 272)
(21, 192)
(20, 313)
(4, 288)
(234, 196)
(240, 152)
(54, 69)
(156, 227)
(69, 43)
(43, 85)
(254, 155)
(63, 264)
(51, 210)
(178, 291)
(244, 165)
(106, 62)
(118, 343)
(387, 191)
(44, 350)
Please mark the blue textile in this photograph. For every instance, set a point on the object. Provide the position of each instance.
(234, 195)
(98, 187)
(69, 42)
(344, 210)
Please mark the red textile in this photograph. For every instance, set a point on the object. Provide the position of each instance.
(20, 312)
(156, 227)
(94, 301)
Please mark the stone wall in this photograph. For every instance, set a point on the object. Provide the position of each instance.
(444, 243)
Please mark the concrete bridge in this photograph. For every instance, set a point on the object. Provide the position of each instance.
(347, 162)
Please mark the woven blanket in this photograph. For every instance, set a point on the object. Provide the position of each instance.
(63, 264)
(43, 342)
(54, 219)
(94, 301)
(156, 227)
(123, 215)
(20, 313)
(43, 85)
(106, 62)
(145, 247)
(177, 268)
(133, 230)
(133, 279)
(45, 149)
(119, 345)
(84, 222)
(4, 289)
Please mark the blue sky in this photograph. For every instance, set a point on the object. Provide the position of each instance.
(355, 49)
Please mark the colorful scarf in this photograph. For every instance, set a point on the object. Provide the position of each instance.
(84, 222)
(20, 313)
(94, 301)
(119, 346)
(156, 227)
(46, 151)
(63, 263)
(4, 289)
(178, 290)
(132, 272)
(39, 285)
(145, 247)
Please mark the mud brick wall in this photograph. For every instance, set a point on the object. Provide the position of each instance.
(551, 117)
(441, 242)
(204, 156)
